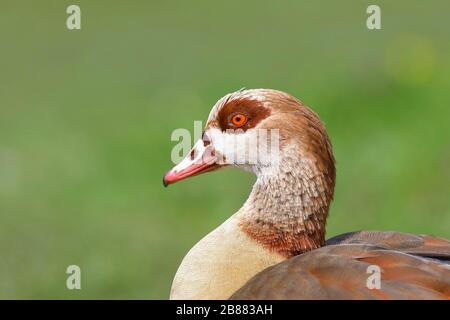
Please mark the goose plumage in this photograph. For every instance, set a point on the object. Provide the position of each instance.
(274, 246)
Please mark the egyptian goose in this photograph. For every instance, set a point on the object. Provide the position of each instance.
(274, 246)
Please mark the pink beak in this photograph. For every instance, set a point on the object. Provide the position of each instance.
(201, 159)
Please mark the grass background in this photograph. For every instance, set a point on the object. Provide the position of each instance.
(86, 118)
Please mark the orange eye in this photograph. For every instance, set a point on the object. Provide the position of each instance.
(238, 119)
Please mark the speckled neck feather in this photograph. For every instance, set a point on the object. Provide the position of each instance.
(286, 212)
(287, 209)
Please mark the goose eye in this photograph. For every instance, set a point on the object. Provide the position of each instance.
(238, 119)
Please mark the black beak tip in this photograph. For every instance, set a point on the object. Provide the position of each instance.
(165, 183)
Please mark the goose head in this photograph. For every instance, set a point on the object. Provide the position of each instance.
(264, 131)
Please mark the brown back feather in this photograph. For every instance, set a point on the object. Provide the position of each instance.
(339, 270)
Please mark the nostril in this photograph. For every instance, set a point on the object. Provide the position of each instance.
(206, 140)
(192, 155)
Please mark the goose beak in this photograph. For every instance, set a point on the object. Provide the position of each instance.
(200, 159)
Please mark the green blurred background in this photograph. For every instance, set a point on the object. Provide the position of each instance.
(86, 118)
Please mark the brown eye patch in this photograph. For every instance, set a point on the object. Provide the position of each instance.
(242, 114)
